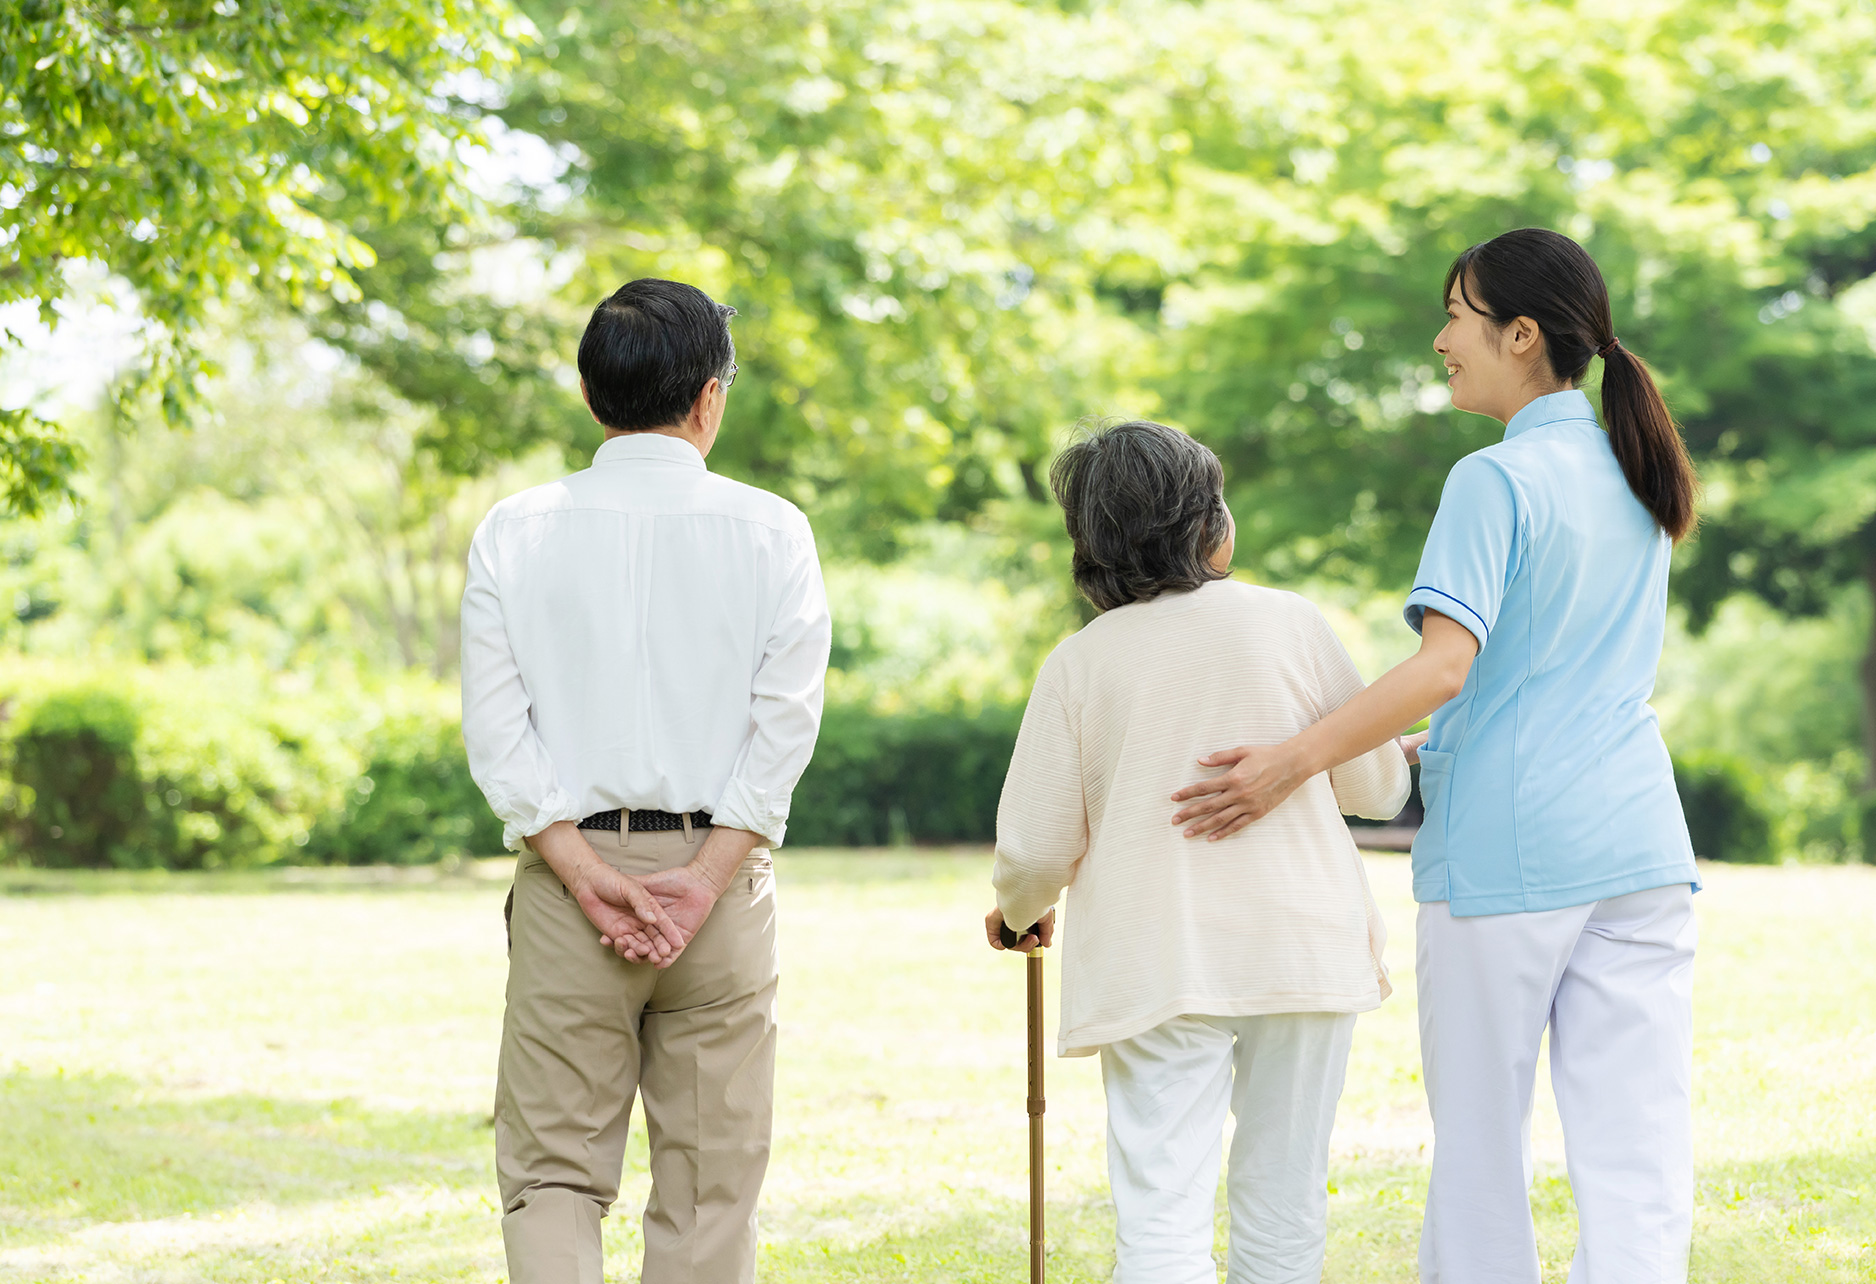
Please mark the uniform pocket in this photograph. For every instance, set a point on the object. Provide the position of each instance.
(1436, 787)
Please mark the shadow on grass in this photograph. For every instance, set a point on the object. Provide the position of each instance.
(92, 1148)
(90, 1151)
(1375, 1209)
(990, 1242)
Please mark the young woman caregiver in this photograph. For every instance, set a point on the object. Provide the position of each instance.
(1553, 869)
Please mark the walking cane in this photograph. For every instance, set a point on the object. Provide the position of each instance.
(1036, 1105)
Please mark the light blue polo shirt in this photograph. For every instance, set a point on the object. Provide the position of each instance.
(1545, 779)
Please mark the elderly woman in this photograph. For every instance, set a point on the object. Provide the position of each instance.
(1207, 974)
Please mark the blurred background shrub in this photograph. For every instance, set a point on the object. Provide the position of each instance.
(172, 767)
(181, 767)
(80, 796)
(880, 779)
(414, 802)
(217, 767)
(1723, 800)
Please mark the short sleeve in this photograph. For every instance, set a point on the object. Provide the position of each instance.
(1472, 550)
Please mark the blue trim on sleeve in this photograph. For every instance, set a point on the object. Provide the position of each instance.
(1428, 588)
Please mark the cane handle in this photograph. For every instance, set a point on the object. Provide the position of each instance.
(1012, 939)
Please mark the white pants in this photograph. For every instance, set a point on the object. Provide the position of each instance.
(1167, 1091)
(1614, 982)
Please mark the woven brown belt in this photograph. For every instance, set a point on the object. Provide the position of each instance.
(645, 821)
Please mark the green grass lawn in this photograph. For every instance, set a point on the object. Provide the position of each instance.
(246, 1078)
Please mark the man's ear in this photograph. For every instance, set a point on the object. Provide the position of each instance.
(587, 398)
(699, 415)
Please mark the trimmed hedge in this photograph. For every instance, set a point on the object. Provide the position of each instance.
(198, 769)
(415, 801)
(188, 773)
(192, 769)
(877, 779)
(75, 767)
(153, 769)
(1720, 795)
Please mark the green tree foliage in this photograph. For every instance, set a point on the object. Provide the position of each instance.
(298, 526)
(952, 229)
(913, 207)
(1710, 157)
(198, 147)
(1719, 161)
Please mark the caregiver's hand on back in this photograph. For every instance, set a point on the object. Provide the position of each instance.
(1260, 777)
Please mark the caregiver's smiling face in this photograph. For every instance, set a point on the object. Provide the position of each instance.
(1473, 347)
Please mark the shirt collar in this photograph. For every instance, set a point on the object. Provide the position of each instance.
(648, 447)
(1571, 403)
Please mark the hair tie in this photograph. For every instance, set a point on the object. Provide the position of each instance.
(1608, 347)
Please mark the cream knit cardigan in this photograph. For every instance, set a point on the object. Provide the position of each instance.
(1276, 918)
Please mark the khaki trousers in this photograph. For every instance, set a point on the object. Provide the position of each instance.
(585, 1031)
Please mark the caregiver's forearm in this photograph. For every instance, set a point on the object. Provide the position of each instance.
(1396, 700)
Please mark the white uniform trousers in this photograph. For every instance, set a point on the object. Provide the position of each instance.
(1614, 982)
(1167, 1092)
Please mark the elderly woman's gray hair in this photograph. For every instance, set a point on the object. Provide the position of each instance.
(1145, 506)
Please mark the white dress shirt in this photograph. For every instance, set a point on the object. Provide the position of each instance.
(642, 634)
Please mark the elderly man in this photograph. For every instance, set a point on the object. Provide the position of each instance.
(644, 650)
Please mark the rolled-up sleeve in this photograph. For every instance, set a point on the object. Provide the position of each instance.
(1472, 550)
(785, 700)
(506, 757)
(1042, 817)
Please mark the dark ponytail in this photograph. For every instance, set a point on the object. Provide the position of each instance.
(1551, 279)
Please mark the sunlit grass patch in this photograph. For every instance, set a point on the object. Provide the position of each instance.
(228, 1078)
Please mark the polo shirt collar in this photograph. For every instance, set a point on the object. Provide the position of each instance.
(1571, 403)
(648, 447)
